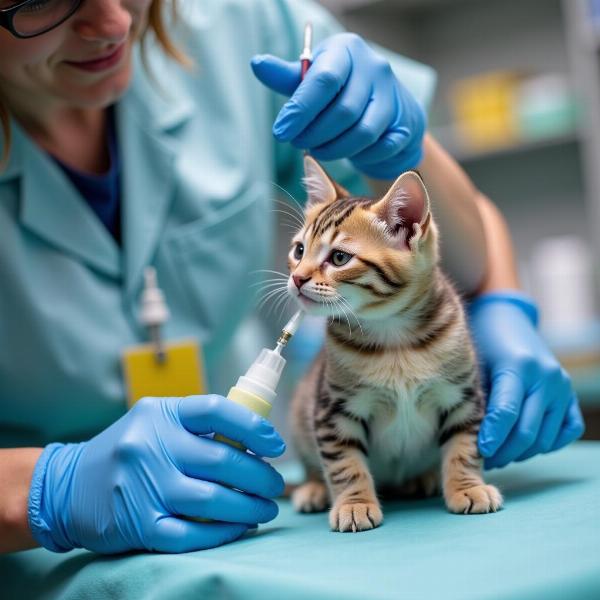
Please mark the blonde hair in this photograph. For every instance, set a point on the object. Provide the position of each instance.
(156, 25)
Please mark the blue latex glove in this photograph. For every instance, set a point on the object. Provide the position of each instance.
(132, 485)
(350, 105)
(531, 408)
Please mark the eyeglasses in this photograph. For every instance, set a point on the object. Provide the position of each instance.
(34, 17)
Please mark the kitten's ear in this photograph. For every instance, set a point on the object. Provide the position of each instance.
(320, 187)
(405, 210)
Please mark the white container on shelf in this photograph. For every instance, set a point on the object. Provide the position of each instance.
(561, 274)
(546, 107)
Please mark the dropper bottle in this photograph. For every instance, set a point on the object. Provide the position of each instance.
(256, 390)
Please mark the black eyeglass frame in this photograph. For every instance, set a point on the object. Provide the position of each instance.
(7, 16)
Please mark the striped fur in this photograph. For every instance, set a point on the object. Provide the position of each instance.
(393, 401)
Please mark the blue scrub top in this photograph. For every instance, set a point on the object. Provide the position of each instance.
(198, 163)
(102, 192)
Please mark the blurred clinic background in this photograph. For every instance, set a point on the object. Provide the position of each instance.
(518, 105)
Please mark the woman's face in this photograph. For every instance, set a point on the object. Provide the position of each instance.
(83, 63)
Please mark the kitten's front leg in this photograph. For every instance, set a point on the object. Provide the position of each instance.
(343, 447)
(464, 488)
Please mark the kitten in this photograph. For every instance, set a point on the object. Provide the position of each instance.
(393, 401)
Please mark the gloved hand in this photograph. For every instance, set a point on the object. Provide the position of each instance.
(531, 406)
(132, 485)
(350, 105)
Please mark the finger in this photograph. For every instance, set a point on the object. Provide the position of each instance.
(203, 458)
(387, 146)
(503, 409)
(179, 535)
(409, 158)
(208, 500)
(525, 432)
(323, 81)
(279, 75)
(572, 428)
(488, 463)
(345, 110)
(215, 414)
(374, 121)
(551, 422)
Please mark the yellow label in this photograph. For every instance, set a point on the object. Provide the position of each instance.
(249, 400)
(180, 374)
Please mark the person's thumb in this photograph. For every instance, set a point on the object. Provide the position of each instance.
(280, 75)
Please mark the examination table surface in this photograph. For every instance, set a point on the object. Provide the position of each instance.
(545, 545)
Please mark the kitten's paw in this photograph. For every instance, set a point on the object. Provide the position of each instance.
(310, 497)
(355, 517)
(477, 499)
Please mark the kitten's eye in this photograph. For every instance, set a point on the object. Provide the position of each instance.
(298, 251)
(339, 258)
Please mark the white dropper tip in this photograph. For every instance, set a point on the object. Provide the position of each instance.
(289, 330)
(292, 325)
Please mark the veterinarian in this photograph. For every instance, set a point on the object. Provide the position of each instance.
(118, 154)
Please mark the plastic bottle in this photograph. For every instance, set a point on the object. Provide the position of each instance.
(257, 389)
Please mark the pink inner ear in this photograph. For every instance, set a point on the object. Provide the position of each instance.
(407, 207)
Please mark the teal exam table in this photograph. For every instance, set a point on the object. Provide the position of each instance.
(544, 545)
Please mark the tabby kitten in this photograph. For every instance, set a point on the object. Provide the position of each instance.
(393, 401)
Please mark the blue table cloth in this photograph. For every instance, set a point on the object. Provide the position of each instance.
(544, 545)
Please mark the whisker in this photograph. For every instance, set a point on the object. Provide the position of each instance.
(336, 312)
(268, 271)
(270, 287)
(298, 212)
(291, 305)
(284, 307)
(290, 215)
(341, 307)
(325, 302)
(300, 207)
(279, 285)
(269, 281)
(347, 305)
(290, 226)
(268, 305)
(351, 310)
(329, 305)
(289, 221)
(277, 302)
(270, 294)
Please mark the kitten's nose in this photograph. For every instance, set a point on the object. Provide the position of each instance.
(299, 281)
